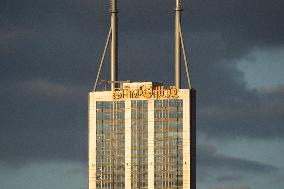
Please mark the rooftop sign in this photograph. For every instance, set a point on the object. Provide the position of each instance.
(158, 92)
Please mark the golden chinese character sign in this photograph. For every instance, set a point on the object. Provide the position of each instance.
(158, 92)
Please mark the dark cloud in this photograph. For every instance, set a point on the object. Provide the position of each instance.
(259, 118)
(50, 52)
(58, 40)
(255, 22)
(42, 121)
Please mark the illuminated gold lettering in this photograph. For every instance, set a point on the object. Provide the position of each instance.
(134, 94)
(174, 92)
(159, 92)
(117, 95)
(167, 93)
(126, 94)
(140, 93)
(148, 93)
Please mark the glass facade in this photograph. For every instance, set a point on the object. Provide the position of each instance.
(142, 142)
(168, 147)
(110, 144)
(139, 144)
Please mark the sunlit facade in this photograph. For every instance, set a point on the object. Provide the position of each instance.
(142, 135)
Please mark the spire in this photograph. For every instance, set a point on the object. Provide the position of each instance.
(113, 10)
(178, 10)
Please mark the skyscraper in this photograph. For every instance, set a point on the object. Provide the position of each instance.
(142, 134)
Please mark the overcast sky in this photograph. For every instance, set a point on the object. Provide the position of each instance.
(49, 56)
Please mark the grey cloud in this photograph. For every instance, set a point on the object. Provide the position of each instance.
(261, 118)
(41, 121)
(52, 90)
(209, 158)
(279, 180)
(45, 175)
(229, 178)
(232, 187)
(251, 21)
(257, 22)
(49, 53)
(218, 169)
(60, 42)
(69, 36)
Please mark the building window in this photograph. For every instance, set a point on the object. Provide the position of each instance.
(139, 144)
(110, 142)
(168, 120)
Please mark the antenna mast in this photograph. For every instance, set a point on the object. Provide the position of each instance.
(178, 10)
(179, 45)
(113, 10)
